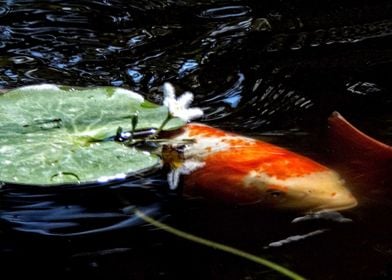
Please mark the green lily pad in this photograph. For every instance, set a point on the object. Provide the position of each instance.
(53, 135)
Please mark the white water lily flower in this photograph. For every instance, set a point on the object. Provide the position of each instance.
(180, 107)
(186, 168)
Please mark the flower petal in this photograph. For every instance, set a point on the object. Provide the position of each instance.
(168, 94)
(173, 177)
(179, 107)
(193, 113)
(185, 99)
(190, 165)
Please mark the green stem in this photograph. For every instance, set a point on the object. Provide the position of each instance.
(168, 118)
(133, 142)
(282, 270)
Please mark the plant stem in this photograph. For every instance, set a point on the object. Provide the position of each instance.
(274, 266)
(168, 118)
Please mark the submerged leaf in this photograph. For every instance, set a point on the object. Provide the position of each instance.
(56, 135)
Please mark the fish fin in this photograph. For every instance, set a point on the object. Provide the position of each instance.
(344, 133)
(369, 158)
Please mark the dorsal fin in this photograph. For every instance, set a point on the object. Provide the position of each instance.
(369, 158)
(345, 133)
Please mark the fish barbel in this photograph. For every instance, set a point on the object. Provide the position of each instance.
(242, 170)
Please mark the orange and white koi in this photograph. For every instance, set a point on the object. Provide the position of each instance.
(242, 170)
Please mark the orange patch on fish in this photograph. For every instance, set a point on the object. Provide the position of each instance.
(203, 130)
(242, 170)
(224, 171)
(264, 157)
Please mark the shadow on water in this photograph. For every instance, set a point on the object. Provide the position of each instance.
(267, 69)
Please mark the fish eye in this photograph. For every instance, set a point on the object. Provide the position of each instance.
(275, 194)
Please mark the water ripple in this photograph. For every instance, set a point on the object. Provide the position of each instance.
(22, 59)
(225, 12)
(60, 212)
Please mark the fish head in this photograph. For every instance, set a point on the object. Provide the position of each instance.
(312, 192)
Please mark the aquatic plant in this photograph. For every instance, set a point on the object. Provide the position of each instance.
(218, 246)
(55, 135)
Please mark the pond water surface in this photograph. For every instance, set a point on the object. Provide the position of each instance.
(268, 69)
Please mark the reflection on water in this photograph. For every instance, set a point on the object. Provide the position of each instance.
(264, 68)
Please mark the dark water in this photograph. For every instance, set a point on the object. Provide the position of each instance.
(270, 69)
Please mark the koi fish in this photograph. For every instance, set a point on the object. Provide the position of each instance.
(242, 170)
